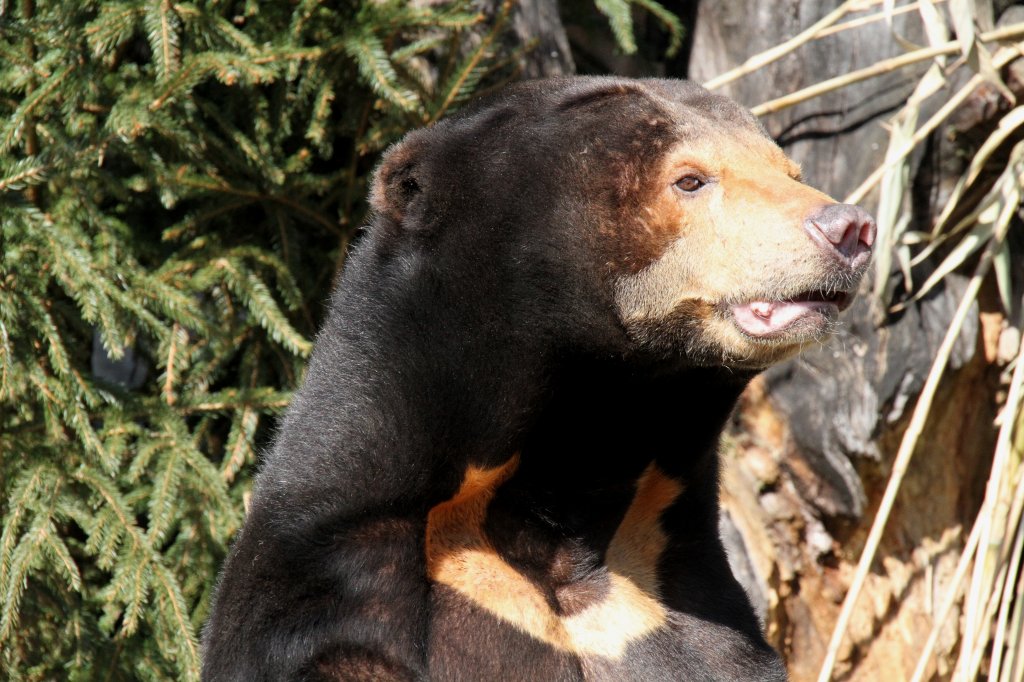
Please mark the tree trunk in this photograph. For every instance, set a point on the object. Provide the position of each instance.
(814, 439)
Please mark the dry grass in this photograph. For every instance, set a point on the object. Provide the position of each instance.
(989, 580)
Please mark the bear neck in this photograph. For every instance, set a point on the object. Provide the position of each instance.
(404, 393)
(606, 420)
(605, 425)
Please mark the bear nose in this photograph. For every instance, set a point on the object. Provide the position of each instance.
(845, 229)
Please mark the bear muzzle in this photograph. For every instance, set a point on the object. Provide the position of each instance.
(845, 235)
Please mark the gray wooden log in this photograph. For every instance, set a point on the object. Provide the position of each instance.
(838, 411)
(536, 23)
(840, 397)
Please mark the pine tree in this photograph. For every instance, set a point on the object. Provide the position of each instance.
(179, 182)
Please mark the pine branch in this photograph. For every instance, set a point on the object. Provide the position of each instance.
(166, 485)
(263, 399)
(200, 181)
(162, 28)
(60, 556)
(177, 338)
(27, 172)
(375, 65)
(669, 20)
(24, 490)
(7, 363)
(114, 26)
(239, 450)
(467, 75)
(620, 18)
(21, 118)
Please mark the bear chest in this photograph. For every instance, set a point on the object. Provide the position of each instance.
(563, 616)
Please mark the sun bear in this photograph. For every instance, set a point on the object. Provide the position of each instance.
(503, 462)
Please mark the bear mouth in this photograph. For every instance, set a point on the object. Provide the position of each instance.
(808, 312)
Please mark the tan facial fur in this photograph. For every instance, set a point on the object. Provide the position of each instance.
(738, 238)
(460, 556)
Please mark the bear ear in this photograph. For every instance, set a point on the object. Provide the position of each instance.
(397, 182)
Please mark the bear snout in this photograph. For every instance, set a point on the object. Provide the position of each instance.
(845, 231)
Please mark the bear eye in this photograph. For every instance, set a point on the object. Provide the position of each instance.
(690, 183)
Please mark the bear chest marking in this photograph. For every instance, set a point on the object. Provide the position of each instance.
(589, 619)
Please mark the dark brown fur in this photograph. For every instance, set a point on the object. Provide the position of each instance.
(503, 463)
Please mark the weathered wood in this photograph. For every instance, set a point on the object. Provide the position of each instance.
(815, 437)
(836, 138)
(537, 25)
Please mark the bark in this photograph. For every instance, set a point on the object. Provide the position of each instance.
(536, 24)
(813, 441)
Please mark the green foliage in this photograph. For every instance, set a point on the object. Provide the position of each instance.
(620, 19)
(178, 184)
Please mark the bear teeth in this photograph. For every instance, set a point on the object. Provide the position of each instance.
(762, 309)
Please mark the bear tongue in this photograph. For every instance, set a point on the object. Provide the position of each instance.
(759, 318)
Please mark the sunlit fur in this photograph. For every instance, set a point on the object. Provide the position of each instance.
(503, 461)
(628, 606)
(739, 238)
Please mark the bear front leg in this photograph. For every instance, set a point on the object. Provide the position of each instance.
(343, 601)
(357, 665)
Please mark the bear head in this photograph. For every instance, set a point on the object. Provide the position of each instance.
(706, 246)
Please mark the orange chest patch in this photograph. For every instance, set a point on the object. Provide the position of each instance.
(460, 556)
